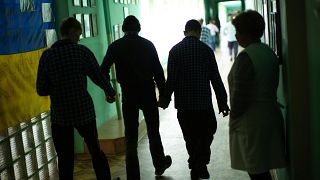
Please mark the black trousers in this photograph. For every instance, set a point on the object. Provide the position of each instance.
(63, 139)
(233, 46)
(133, 100)
(198, 128)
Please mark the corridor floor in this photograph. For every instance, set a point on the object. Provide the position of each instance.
(174, 145)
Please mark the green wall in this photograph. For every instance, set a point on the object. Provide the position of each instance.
(301, 57)
(212, 8)
(313, 47)
(108, 14)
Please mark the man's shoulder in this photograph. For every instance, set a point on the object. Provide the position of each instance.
(184, 44)
(146, 41)
(70, 48)
(178, 46)
(82, 47)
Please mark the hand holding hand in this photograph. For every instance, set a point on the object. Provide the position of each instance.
(225, 113)
(225, 110)
(162, 103)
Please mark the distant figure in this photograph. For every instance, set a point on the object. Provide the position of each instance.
(214, 32)
(138, 69)
(192, 68)
(62, 75)
(256, 123)
(230, 32)
(205, 34)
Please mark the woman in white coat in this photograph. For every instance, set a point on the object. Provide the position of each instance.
(256, 123)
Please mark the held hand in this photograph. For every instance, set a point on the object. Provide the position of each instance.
(162, 103)
(110, 99)
(225, 113)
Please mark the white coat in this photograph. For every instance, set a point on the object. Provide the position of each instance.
(257, 134)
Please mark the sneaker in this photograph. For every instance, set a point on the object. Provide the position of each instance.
(167, 164)
(194, 174)
(203, 173)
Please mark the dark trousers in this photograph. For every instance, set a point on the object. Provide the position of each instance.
(133, 100)
(63, 139)
(233, 46)
(198, 128)
(261, 176)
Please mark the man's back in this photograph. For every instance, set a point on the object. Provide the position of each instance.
(136, 61)
(66, 66)
(194, 67)
(230, 32)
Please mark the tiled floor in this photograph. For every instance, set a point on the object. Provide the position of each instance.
(174, 145)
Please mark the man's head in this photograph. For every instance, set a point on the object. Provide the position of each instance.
(192, 28)
(131, 24)
(70, 28)
(212, 21)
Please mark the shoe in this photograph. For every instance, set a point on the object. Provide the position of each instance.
(203, 173)
(194, 174)
(167, 164)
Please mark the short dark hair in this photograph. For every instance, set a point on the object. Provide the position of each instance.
(249, 23)
(69, 24)
(192, 25)
(131, 23)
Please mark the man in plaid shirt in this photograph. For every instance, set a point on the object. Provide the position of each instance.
(191, 68)
(205, 35)
(62, 75)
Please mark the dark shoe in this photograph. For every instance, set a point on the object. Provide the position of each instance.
(203, 173)
(194, 174)
(167, 164)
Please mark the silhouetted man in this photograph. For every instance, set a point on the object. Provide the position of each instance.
(62, 75)
(191, 68)
(138, 69)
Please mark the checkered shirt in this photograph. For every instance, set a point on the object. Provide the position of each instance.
(205, 35)
(62, 75)
(191, 68)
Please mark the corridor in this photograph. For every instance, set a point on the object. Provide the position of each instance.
(29, 27)
(174, 145)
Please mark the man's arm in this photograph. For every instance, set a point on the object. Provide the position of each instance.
(42, 84)
(217, 84)
(95, 74)
(171, 81)
(158, 71)
(106, 64)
